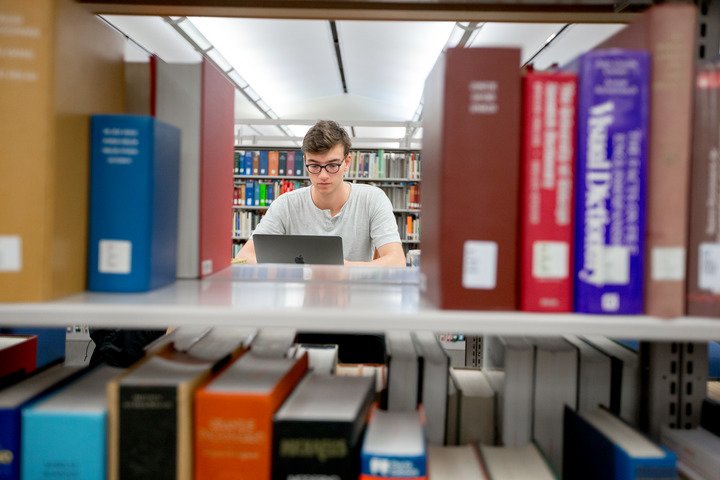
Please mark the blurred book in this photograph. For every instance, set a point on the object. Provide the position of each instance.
(394, 446)
(697, 450)
(515, 463)
(461, 462)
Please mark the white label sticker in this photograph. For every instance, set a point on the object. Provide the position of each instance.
(709, 267)
(115, 256)
(610, 302)
(479, 265)
(668, 263)
(206, 267)
(616, 263)
(10, 253)
(550, 260)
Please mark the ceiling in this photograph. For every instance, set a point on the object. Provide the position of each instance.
(293, 66)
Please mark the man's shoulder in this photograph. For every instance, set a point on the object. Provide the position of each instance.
(368, 190)
(299, 194)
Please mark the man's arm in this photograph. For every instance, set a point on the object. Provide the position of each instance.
(247, 252)
(389, 255)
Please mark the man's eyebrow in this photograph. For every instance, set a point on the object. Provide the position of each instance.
(334, 160)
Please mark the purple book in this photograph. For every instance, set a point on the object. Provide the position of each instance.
(611, 182)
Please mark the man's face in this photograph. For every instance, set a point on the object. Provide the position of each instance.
(326, 169)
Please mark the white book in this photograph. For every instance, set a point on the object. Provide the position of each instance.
(453, 409)
(556, 367)
(461, 462)
(322, 357)
(476, 419)
(434, 394)
(594, 375)
(403, 371)
(515, 463)
(697, 450)
(509, 364)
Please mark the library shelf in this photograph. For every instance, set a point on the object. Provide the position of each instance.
(329, 298)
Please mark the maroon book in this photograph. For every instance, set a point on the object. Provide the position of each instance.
(471, 151)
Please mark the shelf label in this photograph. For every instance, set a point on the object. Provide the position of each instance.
(206, 267)
(709, 267)
(479, 265)
(550, 260)
(668, 263)
(115, 256)
(10, 253)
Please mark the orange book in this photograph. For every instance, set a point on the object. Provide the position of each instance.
(234, 416)
(409, 229)
(273, 162)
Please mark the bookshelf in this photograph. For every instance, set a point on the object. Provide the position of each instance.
(395, 171)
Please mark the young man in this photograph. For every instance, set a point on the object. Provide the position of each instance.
(361, 214)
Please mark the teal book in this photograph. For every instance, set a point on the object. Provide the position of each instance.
(64, 436)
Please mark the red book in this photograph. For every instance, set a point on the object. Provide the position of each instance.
(547, 170)
(290, 168)
(18, 355)
(471, 144)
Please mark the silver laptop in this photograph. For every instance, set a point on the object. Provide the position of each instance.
(310, 249)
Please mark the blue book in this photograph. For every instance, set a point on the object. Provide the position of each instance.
(133, 203)
(50, 343)
(250, 194)
(611, 181)
(269, 194)
(600, 446)
(65, 434)
(12, 401)
(264, 162)
(299, 163)
(394, 446)
(247, 163)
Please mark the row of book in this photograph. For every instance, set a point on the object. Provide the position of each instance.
(244, 223)
(260, 193)
(409, 227)
(402, 196)
(269, 162)
(604, 163)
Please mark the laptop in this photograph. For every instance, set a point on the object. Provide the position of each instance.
(310, 249)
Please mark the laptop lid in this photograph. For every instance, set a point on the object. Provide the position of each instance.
(310, 249)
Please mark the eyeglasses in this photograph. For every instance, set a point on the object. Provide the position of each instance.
(315, 168)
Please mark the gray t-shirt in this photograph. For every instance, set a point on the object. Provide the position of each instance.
(365, 222)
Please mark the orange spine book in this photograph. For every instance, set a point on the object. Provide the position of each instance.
(234, 415)
(273, 162)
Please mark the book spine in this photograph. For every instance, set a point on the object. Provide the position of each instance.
(548, 157)
(703, 281)
(264, 162)
(10, 443)
(611, 181)
(148, 419)
(376, 467)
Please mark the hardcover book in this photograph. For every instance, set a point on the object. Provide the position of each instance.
(524, 462)
(704, 256)
(18, 357)
(471, 130)
(611, 181)
(318, 431)
(460, 462)
(669, 33)
(133, 203)
(433, 384)
(45, 141)
(547, 167)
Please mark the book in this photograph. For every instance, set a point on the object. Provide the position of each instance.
(394, 446)
(50, 343)
(555, 388)
(12, 400)
(234, 412)
(318, 430)
(613, 123)
(264, 162)
(471, 110)
(132, 237)
(599, 445)
(696, 449)
(452, 416)
(198, 99)
(299, 163)
(547, 182)
(435, 366)
(594, 384)
(710, 414)
(703, 287)
(515, 463)
(459, 462)
(669, 33)
(65, 434)
(43, 237)
(18, 357)
(509, 366)
(403, 392)
(322, 357)
(273, 162)
(476, 410)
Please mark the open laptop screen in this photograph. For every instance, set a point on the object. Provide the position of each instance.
(310, 249)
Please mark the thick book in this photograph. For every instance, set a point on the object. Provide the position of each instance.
(523, 462)
(435, 366)
(471, 131)
(547, 167)
(317, 433)
(65, 434)
(198, 99)
(594, 384)
(461, 462)
(612, 162)
(509, 365)
(476, 407)
(12, 400)
(234, 412)
(73, 68)
(600, 446)
(404, 375)
(669, 33)
(696, 449)
(703, 287)
(710, 415)
(132, 239)
(18, 357)
(394, 447)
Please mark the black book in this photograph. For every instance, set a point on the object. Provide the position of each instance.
(318, 430)
(710, 416)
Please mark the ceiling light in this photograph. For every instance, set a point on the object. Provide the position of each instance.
(235, 77)
(252, 94)
(194, 34)
(219, 60)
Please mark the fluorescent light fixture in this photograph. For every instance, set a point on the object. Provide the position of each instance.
(271, 113)
(252, 94)
(191, 31)
(235, 77)
(217, 57)
(261, 103)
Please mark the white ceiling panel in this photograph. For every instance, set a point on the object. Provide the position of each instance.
(388, 61)
(285, 61)
(576, 39)
(529, 37)
(155, 35)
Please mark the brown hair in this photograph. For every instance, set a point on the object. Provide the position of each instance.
(323, 136)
